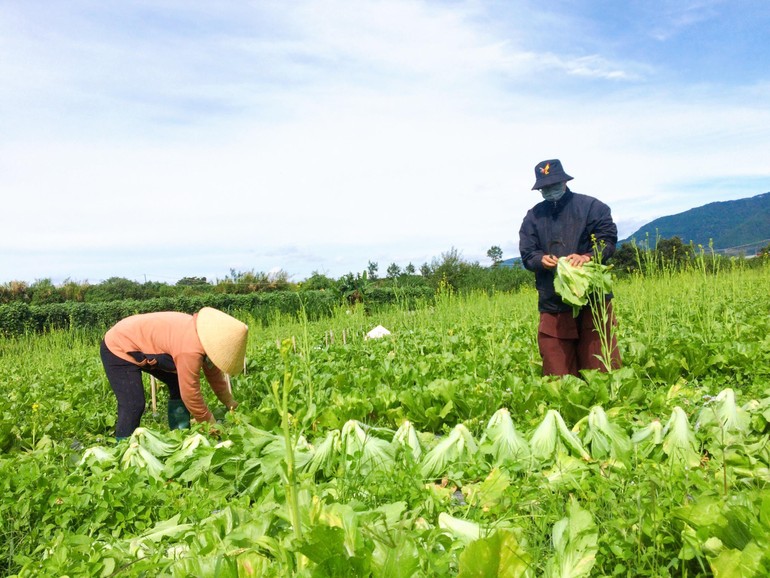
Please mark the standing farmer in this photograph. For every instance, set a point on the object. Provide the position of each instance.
(173, 347)
(566, 224)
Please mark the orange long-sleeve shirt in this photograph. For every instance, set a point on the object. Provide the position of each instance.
(174, 334)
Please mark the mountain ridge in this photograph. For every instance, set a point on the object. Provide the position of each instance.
(722, 225)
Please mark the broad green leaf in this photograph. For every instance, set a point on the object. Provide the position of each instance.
(575, 539)
(488, 493)
(325, 547)
(252, 564)
(98, 455)
(109, 567)
(170, 527)
(501, 555)
(464, 530)
(400, 559)
(345, 517)
(567, 471)
(747, 563)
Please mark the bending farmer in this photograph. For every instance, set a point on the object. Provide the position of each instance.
(173, 347)
(566, 224)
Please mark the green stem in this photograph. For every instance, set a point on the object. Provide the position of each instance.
(282, 401)
(291, 473)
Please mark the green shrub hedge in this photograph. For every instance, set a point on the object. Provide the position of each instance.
(19, 318)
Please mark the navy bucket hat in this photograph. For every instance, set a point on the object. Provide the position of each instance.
(548, 173)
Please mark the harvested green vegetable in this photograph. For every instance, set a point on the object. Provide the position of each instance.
(454, 447)
(575, 284)
(553, 436)
(505, 443)
(679, 440)
(604, 438)
(406, 436)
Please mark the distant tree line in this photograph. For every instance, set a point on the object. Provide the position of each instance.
(665, 255)
(42, 305)
(448, 270)
(44, 291)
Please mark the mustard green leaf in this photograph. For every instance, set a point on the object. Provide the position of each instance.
(501, 555)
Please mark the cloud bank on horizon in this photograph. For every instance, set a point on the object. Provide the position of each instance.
(158, 140)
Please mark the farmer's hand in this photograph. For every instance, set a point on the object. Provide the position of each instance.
(578, 260)
(232, 405)
(549, 261)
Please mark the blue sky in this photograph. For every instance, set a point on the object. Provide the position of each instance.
(162, 139)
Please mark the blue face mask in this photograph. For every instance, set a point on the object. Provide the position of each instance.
(554, 192)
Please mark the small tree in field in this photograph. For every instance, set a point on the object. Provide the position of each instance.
(496, 254)
(115, 289)
(44, 291)
(371, 269)
(393, 271)
(626, 258)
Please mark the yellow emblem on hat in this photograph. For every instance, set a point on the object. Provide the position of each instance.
(546, 169)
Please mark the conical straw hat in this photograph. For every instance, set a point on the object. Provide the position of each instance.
(223, 338)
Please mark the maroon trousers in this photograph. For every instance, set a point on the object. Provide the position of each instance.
(569, 344)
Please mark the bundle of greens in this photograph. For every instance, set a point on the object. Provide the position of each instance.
(503, 441)
(575, 284)
(458, 445)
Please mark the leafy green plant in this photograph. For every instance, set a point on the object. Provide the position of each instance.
(668, 457)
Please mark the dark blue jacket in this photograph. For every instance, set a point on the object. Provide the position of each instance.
(561, 228)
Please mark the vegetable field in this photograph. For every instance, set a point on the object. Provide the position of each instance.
(438, 450)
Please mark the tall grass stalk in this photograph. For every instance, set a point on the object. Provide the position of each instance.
(281, 391)
(305, 348)
(603, 321)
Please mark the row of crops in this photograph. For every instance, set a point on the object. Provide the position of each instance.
(439, 450)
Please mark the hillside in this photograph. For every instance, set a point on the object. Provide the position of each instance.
(512, 262)
(728, 224)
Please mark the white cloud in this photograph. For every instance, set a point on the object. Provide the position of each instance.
(334, 133)
(674, 16)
